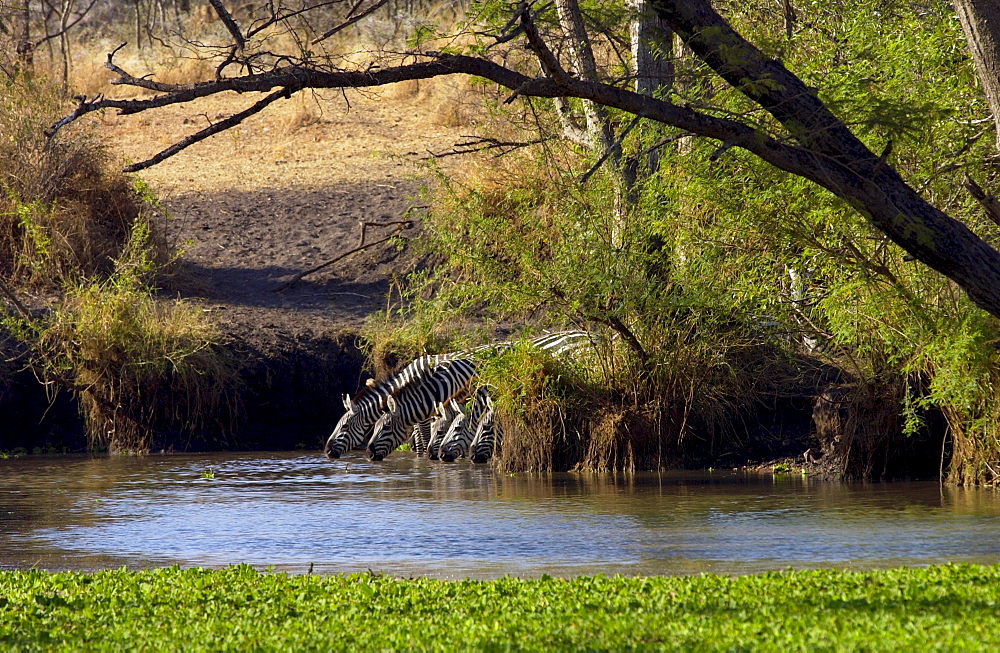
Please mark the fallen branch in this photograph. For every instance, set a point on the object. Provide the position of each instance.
(12, 298)
(401, 225)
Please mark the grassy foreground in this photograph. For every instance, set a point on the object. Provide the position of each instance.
(950, 607)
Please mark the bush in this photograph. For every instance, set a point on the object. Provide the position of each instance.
(146, 372)
(64, 209)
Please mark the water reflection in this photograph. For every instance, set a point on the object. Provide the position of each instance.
(411, 516)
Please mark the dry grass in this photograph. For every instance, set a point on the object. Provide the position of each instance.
(64, 210)
(148, 372)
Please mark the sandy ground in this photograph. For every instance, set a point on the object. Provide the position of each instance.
(285, 192)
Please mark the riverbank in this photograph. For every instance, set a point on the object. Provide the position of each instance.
(949, 607)
(247, 211)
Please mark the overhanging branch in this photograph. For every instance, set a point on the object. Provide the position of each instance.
(214, 128)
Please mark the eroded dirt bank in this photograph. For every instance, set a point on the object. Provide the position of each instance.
(254, 206)
(282, 194)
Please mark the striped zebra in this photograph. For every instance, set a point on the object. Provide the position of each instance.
(364, 410)
(449, 414)
(460, 432)
(448, 381)
(419, 402)
(487, 435)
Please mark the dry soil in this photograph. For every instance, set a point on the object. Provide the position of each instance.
(285, 192)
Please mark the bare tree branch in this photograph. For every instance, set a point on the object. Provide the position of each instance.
(230, 23)
(215, 128)
(483, 144)
(350, 21)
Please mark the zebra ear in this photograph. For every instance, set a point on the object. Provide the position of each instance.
(391, 404)
(348, 404)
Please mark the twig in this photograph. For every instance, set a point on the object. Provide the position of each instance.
(405, 224)
(985, 200)
(349, 22)
(12, 298)
(616, 146)
(222, 125)
(483, 144)
(227, 20)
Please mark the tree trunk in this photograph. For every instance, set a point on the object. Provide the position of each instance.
(652, 65)
(25, 48)
(981, 23)
(582, 60)
(652, 41)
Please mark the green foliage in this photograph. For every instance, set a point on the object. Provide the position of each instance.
(139, 365)
(950, 607)
(695, 270)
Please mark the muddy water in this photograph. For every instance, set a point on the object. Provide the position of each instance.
(407, 516)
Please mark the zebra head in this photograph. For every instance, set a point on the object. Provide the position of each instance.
(455, 441)
(487, 433)
(347, 433)
(389, 432)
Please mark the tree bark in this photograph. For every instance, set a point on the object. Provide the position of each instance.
(652, 42)
(25, 49)
(981, 23)
(582, 60)
(652, 64)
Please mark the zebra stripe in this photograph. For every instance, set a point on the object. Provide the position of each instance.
(488, 433)
(421, 436)
(417, 403)
(363, 411)
(365, 408)
(460, 433)
(449, 413)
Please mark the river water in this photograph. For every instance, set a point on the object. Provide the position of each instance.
(413, 517)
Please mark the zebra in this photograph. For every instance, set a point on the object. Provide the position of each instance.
(448, 380)
(362, 412)
(419, 402)
(460, 432)
(487, 435)
(449, 414)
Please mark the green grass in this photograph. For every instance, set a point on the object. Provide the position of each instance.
(950, 607)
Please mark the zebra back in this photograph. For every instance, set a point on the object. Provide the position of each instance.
(419, 402)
